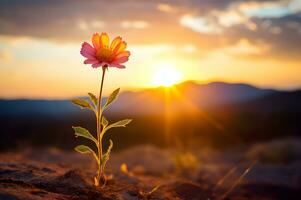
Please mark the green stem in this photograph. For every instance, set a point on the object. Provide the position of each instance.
(99, 126)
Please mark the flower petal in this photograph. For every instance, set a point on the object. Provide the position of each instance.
(121, 60)
(117, 65)
(124, 53)
(87, 50)
(91, 61)
(119, 48)
(96, 65)
(104, 40)
(115, 42)
(86, 55)
(88, 47)
(95, 40)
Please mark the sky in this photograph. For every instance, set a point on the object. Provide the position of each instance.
(251, 41)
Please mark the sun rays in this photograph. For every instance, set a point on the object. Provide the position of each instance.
(167, 75)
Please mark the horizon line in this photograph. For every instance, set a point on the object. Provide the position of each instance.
(158, 87)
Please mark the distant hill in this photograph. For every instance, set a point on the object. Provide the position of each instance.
(218, 114)
(44, 107)
(149, 101)
(188, 95)
(275, 102)
(218, 93)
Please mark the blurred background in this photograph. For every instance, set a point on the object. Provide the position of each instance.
(202, 73)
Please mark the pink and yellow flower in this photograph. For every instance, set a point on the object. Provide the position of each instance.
(104, 54)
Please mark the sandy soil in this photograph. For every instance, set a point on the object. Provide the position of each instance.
(54, 174)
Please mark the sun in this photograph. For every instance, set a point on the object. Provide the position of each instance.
(167, 76)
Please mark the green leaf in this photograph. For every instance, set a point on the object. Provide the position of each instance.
(82, 103)
(93, 98)
(106, 156)
(104, 122)
(83, 149)
(111, 98)
(86, 150)
(121, 123)
(82, 132)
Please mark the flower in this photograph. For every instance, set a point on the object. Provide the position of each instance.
(102, 53)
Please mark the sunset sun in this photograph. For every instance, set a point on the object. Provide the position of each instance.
(167, 76)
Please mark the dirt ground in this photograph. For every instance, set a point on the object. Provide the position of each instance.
(151, 174)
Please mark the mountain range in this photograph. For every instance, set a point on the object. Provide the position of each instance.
(216, 114)
(182, 97)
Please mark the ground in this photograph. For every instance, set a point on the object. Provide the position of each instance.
(151, 174)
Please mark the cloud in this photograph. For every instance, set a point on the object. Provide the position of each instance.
(206, 24)
(265, 9)
(71, 20)
(137, 24)
(295, 6)
(245, 48)
(284, 41)
(241, 12)
(276, 24)
(200, 24)
(90, 25)
(166, 8)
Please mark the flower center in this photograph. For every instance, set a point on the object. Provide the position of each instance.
(105, 55)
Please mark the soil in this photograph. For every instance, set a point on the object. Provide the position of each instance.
(54, 174)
